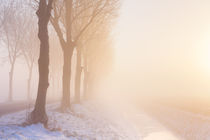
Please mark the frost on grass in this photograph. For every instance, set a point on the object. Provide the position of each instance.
(83, 122)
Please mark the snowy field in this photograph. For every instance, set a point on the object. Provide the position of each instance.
(84, 122)
(149, 127)
(189, 125)
(87, 121)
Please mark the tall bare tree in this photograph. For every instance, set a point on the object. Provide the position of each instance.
(30, 51)
(30, 44)
(66, 20)
(102, 24)
(39, 115)
(99, 59)
(56, 62)
(13, 31)
(1, 16)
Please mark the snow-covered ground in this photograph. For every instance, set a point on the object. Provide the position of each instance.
(189, 125)
(149, 127)
(88, 121)
(84, 122)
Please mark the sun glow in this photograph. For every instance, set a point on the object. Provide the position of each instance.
(206, 58)
(204, 54)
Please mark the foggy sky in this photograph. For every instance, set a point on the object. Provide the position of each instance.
(163, 48)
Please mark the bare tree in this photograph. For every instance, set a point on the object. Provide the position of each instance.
(66, 20)
(1, 16)
(12, 28)
(44, 12)
(101, 25)
(55, 65)
(30, 51)
(98, 62)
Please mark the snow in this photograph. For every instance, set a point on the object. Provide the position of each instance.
(163, 135)
(84, 122)
(94, 121)
(150, 128)
(187, 124)
(33, 132)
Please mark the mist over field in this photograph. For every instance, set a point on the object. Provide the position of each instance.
(109, 69)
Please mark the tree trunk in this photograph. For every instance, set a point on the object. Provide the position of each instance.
(78, 77)
(11, 73)
(53, 86)
(39, 114)
(65, 104)
(91, 86)
(67, 54)
(29, 83)
(85, 94)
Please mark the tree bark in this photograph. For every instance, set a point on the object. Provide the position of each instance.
(85, 94)
(91, 86)
(78, 76)
(29, 83)
(65, 104)
(53, 86)
(11, 73)
(39, 114)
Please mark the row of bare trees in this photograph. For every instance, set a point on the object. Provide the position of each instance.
(81, 26)
(19, 38)
(76, 23)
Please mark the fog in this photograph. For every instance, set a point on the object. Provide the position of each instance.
(149, 66)
(162, 50)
